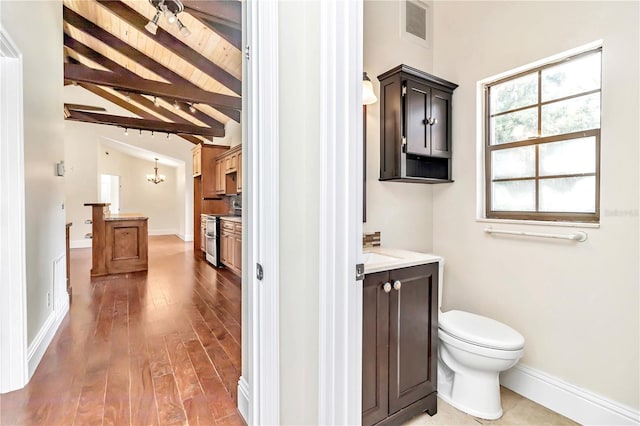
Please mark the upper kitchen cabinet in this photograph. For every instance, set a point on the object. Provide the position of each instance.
(229, 171)
(204, 165)
(415, 126)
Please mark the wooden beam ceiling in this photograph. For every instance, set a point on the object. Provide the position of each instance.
(88, 27)
(129, 15)
(132, 108)
(142, 124)
(224, 11)
(231, 34)
(82, 74)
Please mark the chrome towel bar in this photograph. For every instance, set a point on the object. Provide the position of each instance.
(576, 236)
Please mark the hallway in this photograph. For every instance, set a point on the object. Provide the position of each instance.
(154, 348)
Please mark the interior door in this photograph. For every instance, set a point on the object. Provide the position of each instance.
(412, 335)
(417, 101)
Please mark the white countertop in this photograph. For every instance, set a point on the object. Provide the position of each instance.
(386, 259)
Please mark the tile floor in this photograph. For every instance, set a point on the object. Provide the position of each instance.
(517, 411)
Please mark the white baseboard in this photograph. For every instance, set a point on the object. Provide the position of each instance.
(162, 232)
(578, 404)
(39, 346)
(243, 398)
(185, 237)
(84, 243)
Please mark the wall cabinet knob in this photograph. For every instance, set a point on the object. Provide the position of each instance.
(433, 120)
(387, 287)
(397, 284)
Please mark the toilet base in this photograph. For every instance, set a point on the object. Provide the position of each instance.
(477, 394)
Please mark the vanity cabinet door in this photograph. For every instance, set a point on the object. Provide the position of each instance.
(375, 349)
(413, 334)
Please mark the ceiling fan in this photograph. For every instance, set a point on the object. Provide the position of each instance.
(170, 10)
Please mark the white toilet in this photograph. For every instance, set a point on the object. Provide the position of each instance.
(472, 352)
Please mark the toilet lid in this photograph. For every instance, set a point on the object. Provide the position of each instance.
(479, 330)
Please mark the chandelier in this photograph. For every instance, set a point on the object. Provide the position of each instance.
(170, 10)
(155, 178)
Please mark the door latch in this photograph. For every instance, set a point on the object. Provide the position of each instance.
(259, 272)
(360, 272)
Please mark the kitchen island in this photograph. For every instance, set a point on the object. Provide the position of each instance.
(119, 241)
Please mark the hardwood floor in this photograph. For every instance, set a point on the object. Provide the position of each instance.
(148, 348)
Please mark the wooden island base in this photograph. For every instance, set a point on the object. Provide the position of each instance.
(119, 241)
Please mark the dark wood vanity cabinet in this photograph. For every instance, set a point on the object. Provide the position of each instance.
(399, 344)
(415, 127)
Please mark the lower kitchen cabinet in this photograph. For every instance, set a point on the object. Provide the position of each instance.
(399, 344)
(231, 245)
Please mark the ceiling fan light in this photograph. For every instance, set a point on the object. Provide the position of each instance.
(152, 25)
(192, 108)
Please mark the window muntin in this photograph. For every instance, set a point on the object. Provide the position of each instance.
(542, 142)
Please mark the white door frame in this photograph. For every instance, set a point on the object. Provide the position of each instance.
(259, 385)
(340, 298)
(13, 308)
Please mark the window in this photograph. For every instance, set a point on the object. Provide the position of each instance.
(542, 142)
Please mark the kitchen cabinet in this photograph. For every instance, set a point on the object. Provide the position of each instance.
(415, 130)
(197, 164)
(229, 172)
(399, 344)
(231, 245)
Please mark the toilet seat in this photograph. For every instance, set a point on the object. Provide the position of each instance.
(480, 331)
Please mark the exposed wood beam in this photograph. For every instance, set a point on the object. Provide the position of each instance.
(227, 11)
(131, 108)
(140, 85)
(173, 44)
(230, 34)
(78, 107)
(96, 57)
(142, 124)
(88, 27)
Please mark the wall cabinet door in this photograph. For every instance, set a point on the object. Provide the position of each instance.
(399, 344)
(440, 127)
(427, 120)
(220, 176)
(197, 166)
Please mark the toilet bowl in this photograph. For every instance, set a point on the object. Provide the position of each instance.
(473, 350)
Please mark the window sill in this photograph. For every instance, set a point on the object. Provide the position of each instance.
(541, 223)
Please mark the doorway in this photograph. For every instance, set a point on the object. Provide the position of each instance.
(110, 191)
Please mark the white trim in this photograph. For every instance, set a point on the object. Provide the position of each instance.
(84, 243)
(580, 405)
(340, 295)
(243, 397)
(260, 378)
(39, 346)
(13, 298)
(185, 237)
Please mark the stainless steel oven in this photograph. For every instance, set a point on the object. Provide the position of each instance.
(212, 228)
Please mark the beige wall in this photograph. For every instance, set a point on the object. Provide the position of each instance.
(43, 145)
(402, 212)
(169, 205)
(299, 204)
(577, 304)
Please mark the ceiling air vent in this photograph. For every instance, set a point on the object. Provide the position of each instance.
(416, 19)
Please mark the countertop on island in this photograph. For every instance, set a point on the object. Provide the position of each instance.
(124, 216)
(378, 259)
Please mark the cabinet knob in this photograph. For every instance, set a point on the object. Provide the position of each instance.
(387, 287)
(397, 284)
(433, 120)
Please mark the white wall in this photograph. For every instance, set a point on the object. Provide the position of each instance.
(299, 206)
(82, 154)
(577, 304)
(43, 145)
(137, 195)
(402, 212)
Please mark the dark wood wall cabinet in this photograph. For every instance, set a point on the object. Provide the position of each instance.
(415, 126)
(399, 344)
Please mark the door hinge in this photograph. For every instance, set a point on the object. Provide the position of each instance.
(404, 144)
(259, 272)
(360, 272)
(246, 52)
(404, 90)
